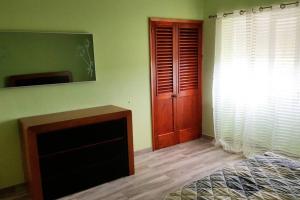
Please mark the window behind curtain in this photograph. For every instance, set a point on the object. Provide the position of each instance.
(257, 82)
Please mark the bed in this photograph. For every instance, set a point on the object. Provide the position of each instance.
(263, 177)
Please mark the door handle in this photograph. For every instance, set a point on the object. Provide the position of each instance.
(174, 95)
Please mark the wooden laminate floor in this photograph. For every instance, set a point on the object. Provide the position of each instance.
(163, 171)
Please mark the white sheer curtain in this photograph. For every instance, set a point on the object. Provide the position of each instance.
(256, 87)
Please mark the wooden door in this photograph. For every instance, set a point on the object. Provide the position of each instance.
(175, 81)
(189, 82)
(163, 83)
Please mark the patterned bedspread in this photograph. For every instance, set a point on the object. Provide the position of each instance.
(263, 177)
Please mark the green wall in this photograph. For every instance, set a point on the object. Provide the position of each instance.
(211, 7)
(120, 29)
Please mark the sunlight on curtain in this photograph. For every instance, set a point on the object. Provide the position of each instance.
(256, 87)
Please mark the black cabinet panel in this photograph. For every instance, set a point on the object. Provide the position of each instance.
(89, 176)
(78, 158)
(77, 137)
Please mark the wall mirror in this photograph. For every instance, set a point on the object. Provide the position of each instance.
(28, 58)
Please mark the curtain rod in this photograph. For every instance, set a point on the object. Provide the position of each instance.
(261, 8)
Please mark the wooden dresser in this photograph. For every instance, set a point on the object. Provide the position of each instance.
(72, 151)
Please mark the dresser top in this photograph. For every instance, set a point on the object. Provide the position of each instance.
(71, 115)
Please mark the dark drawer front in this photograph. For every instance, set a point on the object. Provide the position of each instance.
(62, 140)
(87, 177)
(79, 159)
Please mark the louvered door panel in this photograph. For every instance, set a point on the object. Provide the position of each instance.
(188, 58)
(189, 98)
(175, 81)
(163, 41)
(164, 59)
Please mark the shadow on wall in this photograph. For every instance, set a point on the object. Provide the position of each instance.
(10, 141)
